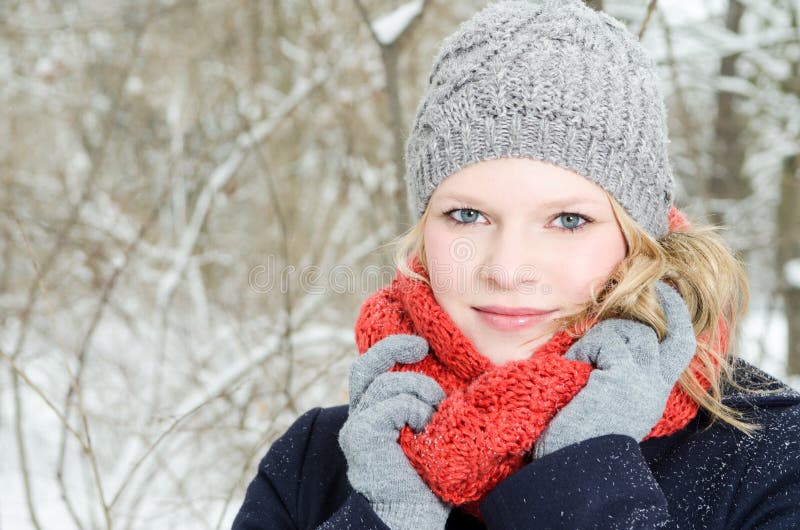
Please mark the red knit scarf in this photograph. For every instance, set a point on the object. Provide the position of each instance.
(484, 429)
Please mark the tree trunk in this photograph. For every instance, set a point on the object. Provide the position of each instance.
(402, 217)
(788, 235)
(727, 180)
(788, 249)
(256, 33)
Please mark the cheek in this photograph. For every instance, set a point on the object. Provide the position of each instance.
(437, 242)
(587, 265)
(450, 259)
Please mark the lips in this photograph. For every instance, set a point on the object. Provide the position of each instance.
(511, 318)
(513, 311)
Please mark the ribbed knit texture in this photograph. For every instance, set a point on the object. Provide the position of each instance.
(484, 429)
(550, 80)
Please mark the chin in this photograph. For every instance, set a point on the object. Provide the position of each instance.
(502, 352)
(499, 360)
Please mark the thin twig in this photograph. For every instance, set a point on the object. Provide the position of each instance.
(132, 471)
(286, 335)
(33, 386)
(651, 8)
(245, 471)
(365, 17)
(23, 457)
(95, 472)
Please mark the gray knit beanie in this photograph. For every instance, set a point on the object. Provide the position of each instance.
(551, 80)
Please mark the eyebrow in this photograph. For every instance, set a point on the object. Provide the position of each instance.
(555, 203)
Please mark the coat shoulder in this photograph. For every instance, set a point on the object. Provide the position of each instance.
(717, 476)
(302, 480)
(752, 387)
(768, 489)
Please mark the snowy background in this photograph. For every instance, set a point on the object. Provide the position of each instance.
(196, 197)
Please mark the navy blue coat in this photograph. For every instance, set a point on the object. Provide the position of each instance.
(699, 477)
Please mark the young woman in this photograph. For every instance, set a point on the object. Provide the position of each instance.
(554, 350)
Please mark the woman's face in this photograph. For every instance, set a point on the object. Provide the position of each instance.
(523, 236)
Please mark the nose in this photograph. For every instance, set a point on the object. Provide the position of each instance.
(509, 262)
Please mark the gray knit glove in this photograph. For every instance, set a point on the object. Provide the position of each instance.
(634, 374)
(380, 405)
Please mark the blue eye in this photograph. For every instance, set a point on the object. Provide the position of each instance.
(571, 220)
(464, 215)
(467, 216)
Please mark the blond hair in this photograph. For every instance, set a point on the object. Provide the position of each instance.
(696, 260)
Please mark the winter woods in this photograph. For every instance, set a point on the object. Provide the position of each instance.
(197, 196)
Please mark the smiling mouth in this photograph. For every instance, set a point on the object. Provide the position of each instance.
(512, 322)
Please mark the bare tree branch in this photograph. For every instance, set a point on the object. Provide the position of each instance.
(651, 8)
(390, 54)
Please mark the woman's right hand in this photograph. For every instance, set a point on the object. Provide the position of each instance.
(382, 403)
(634, 374)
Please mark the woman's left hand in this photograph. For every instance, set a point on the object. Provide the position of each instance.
(634, 375)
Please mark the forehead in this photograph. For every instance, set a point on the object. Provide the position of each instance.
(524, 181)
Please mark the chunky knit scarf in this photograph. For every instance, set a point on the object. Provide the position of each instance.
(485, 428)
